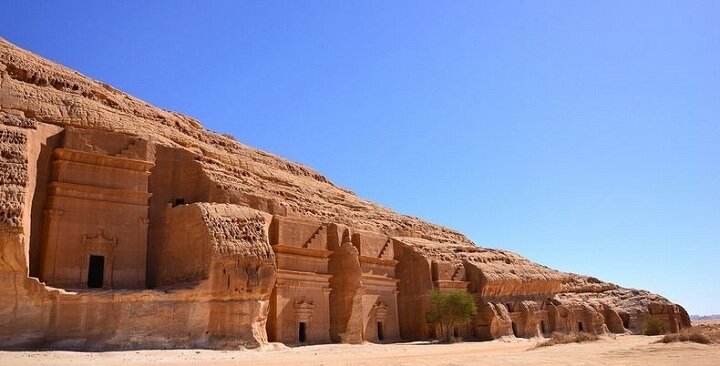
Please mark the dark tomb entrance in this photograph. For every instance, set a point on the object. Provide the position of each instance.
(95, 271)
(381, 333)
(626, 320)
(542, 327)
(301, 332)
(580, 327)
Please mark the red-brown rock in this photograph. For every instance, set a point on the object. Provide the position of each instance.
(126, 226)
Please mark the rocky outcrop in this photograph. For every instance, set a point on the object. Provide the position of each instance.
(126, 226)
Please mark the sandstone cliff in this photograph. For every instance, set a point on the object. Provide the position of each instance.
(206, 203)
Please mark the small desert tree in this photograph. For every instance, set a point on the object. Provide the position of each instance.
(449, 310)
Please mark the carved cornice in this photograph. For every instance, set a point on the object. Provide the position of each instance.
(279, 248)
(81, 191)
(102, 160)
(379, 282)
(384, 262)
(319, 279)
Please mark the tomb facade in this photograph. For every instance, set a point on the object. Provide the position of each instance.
(96, 214)
(124, 226)
(300, 302)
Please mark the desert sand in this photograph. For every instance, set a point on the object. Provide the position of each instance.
(620, 350)
(711, 321)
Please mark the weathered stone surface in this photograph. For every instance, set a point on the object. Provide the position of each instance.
(126, 226)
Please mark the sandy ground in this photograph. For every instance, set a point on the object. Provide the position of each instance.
(711, 321)
(622, 350)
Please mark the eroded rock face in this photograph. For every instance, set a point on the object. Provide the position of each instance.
(126, 226)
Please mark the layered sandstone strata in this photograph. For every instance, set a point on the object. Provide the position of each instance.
(126, 226)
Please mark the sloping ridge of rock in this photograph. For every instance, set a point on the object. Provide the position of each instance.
(123, 225)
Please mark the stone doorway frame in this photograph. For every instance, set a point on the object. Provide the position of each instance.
(98, 245)
(304, 309)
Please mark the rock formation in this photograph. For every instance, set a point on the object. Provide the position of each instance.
(126, 226)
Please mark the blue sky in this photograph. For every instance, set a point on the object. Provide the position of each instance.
(584, 135)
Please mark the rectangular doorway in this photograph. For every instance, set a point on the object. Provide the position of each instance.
(96, 269)
(380, 331)
(301, 332)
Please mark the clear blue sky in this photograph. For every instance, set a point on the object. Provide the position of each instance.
(584, 135)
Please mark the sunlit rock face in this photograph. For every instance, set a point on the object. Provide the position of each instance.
(126, 226)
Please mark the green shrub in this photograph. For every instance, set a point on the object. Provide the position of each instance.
(654, 326)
